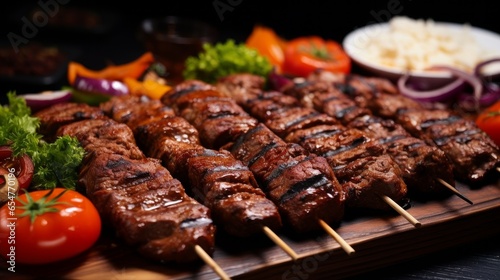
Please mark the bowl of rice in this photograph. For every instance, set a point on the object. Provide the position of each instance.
(411, 46)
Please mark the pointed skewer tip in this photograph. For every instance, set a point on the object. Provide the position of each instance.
(210, 262)
(280, 243)
(347, 248)
(454, 190)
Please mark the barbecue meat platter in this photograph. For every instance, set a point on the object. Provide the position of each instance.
(219, 167)
(326, 175)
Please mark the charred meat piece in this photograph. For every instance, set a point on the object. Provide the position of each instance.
(241, 87)
(302, 185)
(217, 179)
(103, 136)
(148, 208)
(132, 109)
(218, 119)
(64, 113)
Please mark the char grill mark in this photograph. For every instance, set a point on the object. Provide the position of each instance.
(416, 158)
(217, 179)
(134, 194)
(473, 154)
(341, 146)
(263, 152)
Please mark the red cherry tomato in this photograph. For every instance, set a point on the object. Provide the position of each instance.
(47, 226)
(489, 121)
(303, 55)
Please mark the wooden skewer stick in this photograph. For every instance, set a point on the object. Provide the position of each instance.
(451, 188)
(347, 248)
(280, 243)
(401, 211)
(208, 260)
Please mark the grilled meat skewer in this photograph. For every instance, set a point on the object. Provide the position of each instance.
(302, 185)
(423, 165)
(135, 195)
(217, 179)
(359, 163)
(474, 155)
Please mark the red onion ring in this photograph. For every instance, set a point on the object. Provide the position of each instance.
(435, 95)
(477, 70)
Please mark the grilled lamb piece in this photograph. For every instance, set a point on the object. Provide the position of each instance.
(217, 179)
(422, 164)
(64, 113)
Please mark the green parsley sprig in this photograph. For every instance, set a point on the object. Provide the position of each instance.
(56, 164)
(225, 58)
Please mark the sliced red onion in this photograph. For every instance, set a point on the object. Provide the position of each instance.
(468, 102)
(37, 101)
(472, 79)
(278, 81)
(478, 69)
(435, 95)
(110, 87)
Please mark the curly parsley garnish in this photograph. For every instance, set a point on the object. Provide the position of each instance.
(56, 164)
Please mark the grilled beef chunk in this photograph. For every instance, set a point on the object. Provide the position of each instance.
(64, 113)
(241, 87)
(217, 179)
(103, 136)
(301, 184)
(128, 108)
(218, 119)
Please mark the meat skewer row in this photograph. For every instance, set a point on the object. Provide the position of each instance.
(424, 167)
(217, 179)
(361, 166)
(474, 155)
(302, 185)
(134, 195)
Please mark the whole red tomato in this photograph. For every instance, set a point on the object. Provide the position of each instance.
(303, 55)
(46, 226)
(489, 121)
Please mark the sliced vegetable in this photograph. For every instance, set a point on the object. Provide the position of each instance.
(435, 95)
(150, 88)
(21, 166)
(94, 91)
(489, 121)
(225, 58)
(303, 55)
(50, 226)
(37, 101)
(133, 69)
(268, 44)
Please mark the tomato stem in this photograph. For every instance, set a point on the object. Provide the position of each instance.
(43, 205)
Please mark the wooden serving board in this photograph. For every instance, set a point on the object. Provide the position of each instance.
(379, 240)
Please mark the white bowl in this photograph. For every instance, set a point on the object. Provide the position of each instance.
(355, 45)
